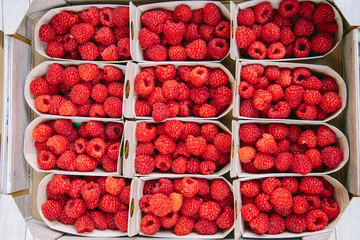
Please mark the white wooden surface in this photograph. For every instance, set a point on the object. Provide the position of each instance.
(40, 231)
(23, 203)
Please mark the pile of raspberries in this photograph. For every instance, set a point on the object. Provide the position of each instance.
(88, 202)
(272, 205)
(166, 92)
(93, 34)
(63, 145)
(202, 34)
(83, 90)
(181, 147)
(183, 205)
(294, 30)
(288, 148)
(273, 92)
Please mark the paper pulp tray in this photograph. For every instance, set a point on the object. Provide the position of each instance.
(130, 96)
(135, 218)
(236, 170)
(130, 144)
(135, 23)
(314, 68)
(340, 195)
(235, 9)
(56, 225)
(41, 70)
(45, 19)
(31, 153)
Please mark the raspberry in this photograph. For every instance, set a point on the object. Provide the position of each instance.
(54, 74)
(247, 154)
(263, 161)
(42, 103)
(174, 32)
(91, 16)
(196, 49)
(322, 43)
(222, 142)
(311, 185)
(312, 97)
(75, 188)
(301, 164)
(260, 223)
(144, 203)
(84, 224)
(114, 185)
(150, 224)
(263, 12)
(323, 14)
(46, 160)
(110, 203)
(47, 33)
(146, 148)
(39, 86)
(207, 32)
(169, 220)
(246, 17)
(286, 36)
(329, 85)
(283, 212)
(191, 128)
(177, 53)
(66, 161)
(300, 205)
(219, 190)
(281, 198)
(316, 220)
(270, 184)
(177, 201)
(160, 204)
(247, 109)
(283, 161)
(164, 73)
(307, 137)
(296, 223)
(246, 90)
(332, 156)
(249, 211)
(289, 8)
(192, 166)
(51, 210)
(218, 48)
(197, 16)
(196, 145)
(205, 227)
(209, 210)
(226, 218)
(144, 164)
(304, 28)
(266, 144)
(55, 49)
(182, 13)
(211, 14)
(145, 132)
(57, 144)
(88, 72)
(223, 96)
(306, 112)
(154, 20)
(222, 29)
(121, 16)
(74, 208)
(113, 107)
(244, 36)
(207, 167)
(165, 144)
(261, 99)
(276, 51)
(276, 224)
(82, 32)
(294, 95)
(88, 51)
(144, 83)
(306, 9)
(105, 36)
(191, 206)
(290, 184)
(330, 102)
(249, 132)
(270, 33)
(59, 184)
(94, 128)
(302, 47)
(328, 189)
(312, 83)
(155, 52)
(278, 131)
(107, 17)
(121, 220)
(84, 163)
(110, 53)
(184, 226)
(258, 50)
(330, 207)
(189, 187)
(198, 76)
(148, 38)
(163, 162)
(262, 202)
(42, 132)
(164, 186)
(325, 136)
(328, 27)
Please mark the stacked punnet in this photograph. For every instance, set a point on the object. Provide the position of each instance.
(100, 34)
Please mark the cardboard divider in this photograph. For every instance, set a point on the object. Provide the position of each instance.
(315, 69)
(135, 23)
(137, 216)
(234, 50)
(341, 142)
(130, 144)
(40, 46)
(41, 70)
(130, 96)
(340, 195)
(31, 153)
(56, 225)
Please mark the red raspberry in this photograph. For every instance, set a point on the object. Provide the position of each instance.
(205, 227)
(302, 47)
(114, 130)
(160, 112)
(196, 145)
(278, 130)
(322, 43)
(286, 36)
(184, 226)
(88, 72)
(46, 160)
(301, 164)
(281, 198)
(74, 208)
(263, 12)
(261, 99)
(260, 223)
(192, 166)
(121, 220)
(316, 220)
(164, 186)
(144, 164)
(304, 28)
(71, 76)
(113, 107)
(174, 32)
(258, 50)
(270, 184)
(325, 136)
(332, 156)
(42, 132)
(211, 14)
(198, 76)
(249, 132)
(290, 184)
(94, 128)
(226, 218)
(82, 32)
(90, 191)
(207, 167)
(164, 73)
(169, 220)
(177, 201)
(67, 19)
(154, 20)
(222, 29)
(123, 48)
(105, 36)
(270, 33)
(148, 38)
(299, 75)
(328, 28)
(249, 211)
(160, 204)
(51, 210)
(110, 203)
(294, 95)
(218, 48)
(192, 32)
(209, 210)
(177, 53)
(323, 14)
(196, 49)
(182, 13)
(306, 112)
(55, 49)
(190, 128)
(210, 153)
(84, 163)
(315, 158)
(330, 207)
(289, 8)
(219, 190)
(114, 185)
(247, 109)
(283, 161)
(150, 224)
(306, 9)
(145, 132)
(247, 154)
(312, 97)
(296, 223)
(300, 205)
(47, 33)
(58, 28)
(189, 187)
(246, 17)
(54, 74)
(330, 102)
(155, 52)
(112, 74)
(57, 144)
(39, 86)
(165, 144)
(107, 17)
(197, 16)
(88, 51)
(146, 148)
(144, 83)
(244, 36)
(121, 16)
(173, 128)
(307, 137)
(91, 16)
(170, 89)
(262, 202)
(312, 83)
(59, 184)
(110, 53)
(283, 145)
(222, 142)
(266, 144)
(79, 94)
(311, 185)
(263, 161)
(191, 206)
(66, 161)
(276, 224)
(223, 96)
(207, 32)
(246, 90)
(329, 85)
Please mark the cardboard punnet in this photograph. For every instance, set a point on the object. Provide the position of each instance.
(135, 219)
(41, 70)
(56, 225)
(340, 195)
(45, 19)
(317, 69)
(31, 153)
(135, 23)
(130, 144)
(130, 96)
(234, 9)
(236, 170)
